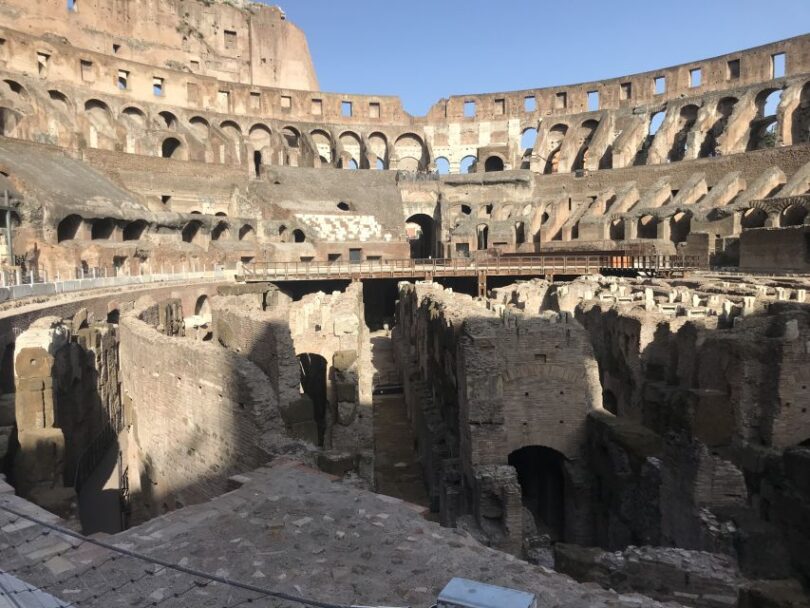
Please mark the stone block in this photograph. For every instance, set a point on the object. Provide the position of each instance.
(342, 360)
(336, 462)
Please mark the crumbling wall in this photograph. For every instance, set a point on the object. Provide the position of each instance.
(67, 399)
(198, 414)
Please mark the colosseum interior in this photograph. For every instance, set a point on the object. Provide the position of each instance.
(263, 344)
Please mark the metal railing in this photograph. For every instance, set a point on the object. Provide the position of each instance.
(18, 284)
(445, 267)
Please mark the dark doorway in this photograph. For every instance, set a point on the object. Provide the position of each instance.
(540, 474)
(420, 231)
(313, 385)
(493, 163)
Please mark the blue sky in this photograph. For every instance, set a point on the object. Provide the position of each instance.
(423, 50)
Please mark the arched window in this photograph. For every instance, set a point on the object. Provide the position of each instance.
(134, 230)
(793, 215)
(220, 231)
(482, 233)
(648, 227)
(246, 233)
(467, 164)
(754, 218)
(170, 148)
(442, 166)
(299, 236)
(191, 231)
(493, 163)
(68, 228)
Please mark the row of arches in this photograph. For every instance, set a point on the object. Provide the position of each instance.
(74, 227)
(693, 130)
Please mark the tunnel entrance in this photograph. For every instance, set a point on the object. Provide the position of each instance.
(313, 385)
(542, 485)
(419, 228)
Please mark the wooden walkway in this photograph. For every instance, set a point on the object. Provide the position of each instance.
(547, 266)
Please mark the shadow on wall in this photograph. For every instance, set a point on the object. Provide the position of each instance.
(199, 413)
(700, 407)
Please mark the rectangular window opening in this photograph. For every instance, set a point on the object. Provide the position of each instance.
(469, 109)
(500, 107)
(123, 79)
(286, 102)
(561, 101)
(695, 77)
(660, 85)
(157, 86)
(333, 257)
(195, 65)
(530, 103)
(346, 109)
(165, 198)
(626, 90)
(224, 100)
(255, 100)
(733, 69)
(778, 65)
(72, 5)
(116, 48)
(317, 107)
(86, 69)
(374, 109)
(593, 101)
(355, 255)
(42, 63)
(230, 39)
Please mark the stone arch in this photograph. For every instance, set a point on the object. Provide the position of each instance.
(292, 137)
(247, 233)
(220, 232)
(351, 149)
(167, 120)
(584, 137)
(793, 215)
(135, 116)
(192, 232)
(102, 229)
(231, 129)
(541, 475)
(442, 166)
(482, 237)
(313, 369)
(753, 218)
(723, 110)
(493, 163)
(202, 307)
(68, 228)
(556, 135)
(200, 127)
(171, 147)
(260, 136)
(800, 129)
(420, 230)
(100, 118)
(9, 121)
(299, 236)
(134, 230)
(617, 230)
(763, 133)
(648, 227)
(15, 88)
(687, 116)
(322, 141)
(468, 164)
(60, 100)
(679, 226)
(410, 145)
(378, 145)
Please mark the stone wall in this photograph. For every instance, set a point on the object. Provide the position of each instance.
(213, 408)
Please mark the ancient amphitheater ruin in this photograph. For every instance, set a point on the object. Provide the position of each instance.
(263, 344)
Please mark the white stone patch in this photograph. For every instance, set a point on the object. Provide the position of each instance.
(342, 227)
